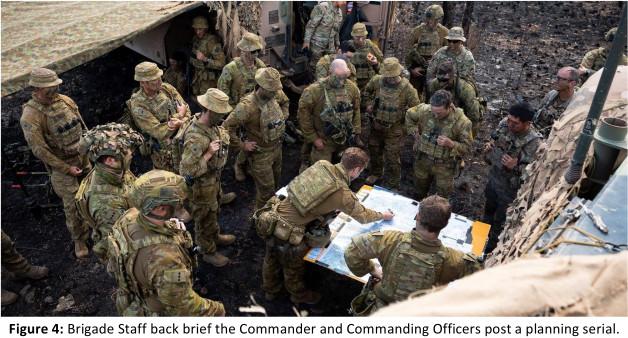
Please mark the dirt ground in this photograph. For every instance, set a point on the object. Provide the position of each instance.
(521, 47)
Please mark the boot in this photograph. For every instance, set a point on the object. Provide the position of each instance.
(35, 272)
(225, 239)
(307, 297)
(372, 179)
(80, 249)
(227, 198)
(8, 297)
(216, 259)
(239, 173)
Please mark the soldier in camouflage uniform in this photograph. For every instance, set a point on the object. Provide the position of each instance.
(175, 74)
(462, 91)
(263, 120)
(290, 225)
(456, 51)
(595, 59)
(52, 127)
(238, 79)
(345, 52)
(442, 135)
(321, 31)
(556, 100)
(205, 150)
(367, 56)
(18, 267)
(425, 40)
(387, 97)
(158, 110)
(102, 196)
(150, 253)
(512, 148)
(207, 57)
(329, 113)
(411, 261)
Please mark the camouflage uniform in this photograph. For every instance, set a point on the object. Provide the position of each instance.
(319, 97)
(321, 31)
(596, 59)
(387, 119)
(501, 188)
(205, 72)
(151, 263)
(53, 131)
(176, 79)
(425, 41)
(322, 67)
(151, 115)
(465, 64)
(319, 191)
(463, 96)
(433, 162)
(410, 263)
(11, 259)
(364, 70)
(264, 123)
(552, 107)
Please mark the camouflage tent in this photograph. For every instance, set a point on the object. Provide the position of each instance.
(63, 35)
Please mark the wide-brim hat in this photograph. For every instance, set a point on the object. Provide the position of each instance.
(457, 34)
(215, 100)
(268, 78)
(44, 78)
(391, 67)
(359, 29)
(147, 71)
(250, 42)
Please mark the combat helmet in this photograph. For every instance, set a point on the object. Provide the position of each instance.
(155, 188)
(434, 12)
(200, 22)
(111, 139)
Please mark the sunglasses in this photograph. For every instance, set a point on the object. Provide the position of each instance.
(455, 42)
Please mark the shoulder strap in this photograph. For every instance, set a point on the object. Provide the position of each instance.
(67, 100)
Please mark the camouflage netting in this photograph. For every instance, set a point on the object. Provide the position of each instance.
(68, 34)
(233, 21)
(557, 286)
(545, 192)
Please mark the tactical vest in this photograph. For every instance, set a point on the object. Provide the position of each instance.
(63, 125)
(388, 108)
(166, 108)
(130, 295)
(327, 28)
(205, 46)
(217, 162)
(551, 110)
(313, 186)
(364, 70)
(272, 122)
(507, 143)
(428, 42)
(429, 134)
(410, 267)
(243, 80)
(337, 114)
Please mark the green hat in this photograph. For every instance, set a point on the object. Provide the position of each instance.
(456, 33)
(111, 139)
(147, 71)
(391, 67)
(200, 22)
(215, 100)
(44, 78)
(359, 29)
(610, 35)
(250, 42)
(434, 12)
(268, 78)
(155, 188)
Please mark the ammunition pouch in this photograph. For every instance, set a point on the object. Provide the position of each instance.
(285, 231)
(337, 135)
(264, 219)
(363, 304)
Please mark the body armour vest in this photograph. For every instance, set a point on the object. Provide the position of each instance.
(430, 132)
(313, 186)
(272, 123)
(388, 106)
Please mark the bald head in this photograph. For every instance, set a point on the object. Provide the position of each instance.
(339, 68)
(570, 73)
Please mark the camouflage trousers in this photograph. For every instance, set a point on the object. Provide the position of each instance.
(284, 259)
(265, 168)
(385, 148)
(327, 152)
(66, 186)
(205, 208)
(162, 159)
(99, 237)
(11, 259)
(428, 170)
(319, 48)
(497, 201)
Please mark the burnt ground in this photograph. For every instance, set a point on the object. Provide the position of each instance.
(522, 45)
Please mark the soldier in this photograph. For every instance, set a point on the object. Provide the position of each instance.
(345, 52)
(18, 267)
(102, 197)
(150, 253)
(426, 39)
(512, 148)
(52, 127)
(238, 79)
(329, 113)
(205, 150)
(321, 32)
(411, 261)
(175, 74)
(455, 50)
(367, 55)
(556, 100)
(263, 120)
(595, 59)
(207, 57)
(442, 135)
(158, 111)
(462, 92)
(387, 97)
(292, 225)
